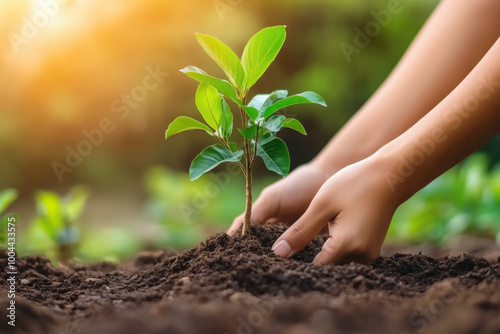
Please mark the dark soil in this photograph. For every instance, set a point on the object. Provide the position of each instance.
(237, 285)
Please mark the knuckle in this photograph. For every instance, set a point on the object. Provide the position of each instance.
(321, 202)
(265, 198)
(267, 205)
(346, 249)
(300, 233)
(330, 247)
(267, 194)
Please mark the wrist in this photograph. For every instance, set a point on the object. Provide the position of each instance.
(329, 164)
(342, 152)
(397, 172)
(313, 168)
(323, 170)
(408, 166)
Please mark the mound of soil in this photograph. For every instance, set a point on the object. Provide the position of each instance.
(237, 285)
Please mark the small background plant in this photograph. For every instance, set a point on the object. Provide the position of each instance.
(259, 121)
(57, 218)
(56, 231)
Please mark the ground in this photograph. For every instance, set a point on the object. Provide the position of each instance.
(237, 285)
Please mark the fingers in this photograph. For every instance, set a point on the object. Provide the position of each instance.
(304, 229)
(236, 224)
(275, 220)
(331, 252)
(345, 246)
(265, 207)
(336, 252)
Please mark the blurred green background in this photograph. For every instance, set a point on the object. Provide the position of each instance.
(80, 66)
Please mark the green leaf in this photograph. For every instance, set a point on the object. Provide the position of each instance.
(274, 123)
(46, 227)
(249, 133)
(49, 209)
(4, 223)
(209, 104)
(251, 112)
(75, 203)
(222, 86)
(224, 57)
(210, 158)
(275, 155)
(184, 123)
(262, 101)
(226, 126)
(306, 97)
(7, 196)
(233, 146)
(260, 52)
(265, 136)
(294, 124)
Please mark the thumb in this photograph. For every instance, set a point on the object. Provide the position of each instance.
(331, 252)
(304, 229)
(236, 224)
(265, 207)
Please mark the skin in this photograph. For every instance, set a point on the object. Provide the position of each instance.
(355, 184)
(358, 202)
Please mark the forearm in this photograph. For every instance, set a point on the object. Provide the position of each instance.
(451, 43)
(466, 119)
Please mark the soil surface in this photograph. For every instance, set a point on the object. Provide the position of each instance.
(237, 285)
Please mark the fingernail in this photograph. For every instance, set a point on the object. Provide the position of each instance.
(282, 249)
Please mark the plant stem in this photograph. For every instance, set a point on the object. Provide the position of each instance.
(248, 170)
(248, 206)
(250, 159)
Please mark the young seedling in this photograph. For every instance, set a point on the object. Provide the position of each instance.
(57, 217)
(7, 196)
(259, 121)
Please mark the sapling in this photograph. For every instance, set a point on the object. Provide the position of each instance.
(57, 217)
(259, 121)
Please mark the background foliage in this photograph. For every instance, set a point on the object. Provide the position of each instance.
(92, 53)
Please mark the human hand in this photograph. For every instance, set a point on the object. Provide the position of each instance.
(287, 199)
(357, 205)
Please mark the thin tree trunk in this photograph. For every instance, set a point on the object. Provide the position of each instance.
(248, 206)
